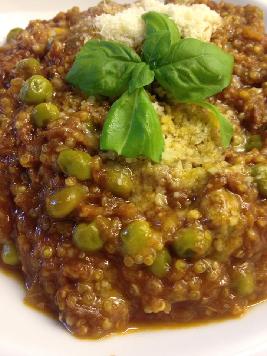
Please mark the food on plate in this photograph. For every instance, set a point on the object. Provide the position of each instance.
(133, 165)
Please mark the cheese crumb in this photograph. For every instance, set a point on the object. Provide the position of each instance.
(127, 27)
(192, 149)
(158, 108)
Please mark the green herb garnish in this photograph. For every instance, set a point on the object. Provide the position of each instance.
(188, 69)
(132, 127)
(194, 70)
(227, 129)
(104, 68)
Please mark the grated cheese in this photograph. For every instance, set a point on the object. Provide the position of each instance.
(192, 154)
(196, 21)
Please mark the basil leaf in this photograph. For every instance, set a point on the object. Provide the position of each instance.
(194, 70)
(141, 76)
(161, 33)
(132, 127)
(156, 22)
(227, 129)
(156, 48)
(103, 67)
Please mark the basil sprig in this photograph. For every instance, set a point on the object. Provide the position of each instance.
(188, 69)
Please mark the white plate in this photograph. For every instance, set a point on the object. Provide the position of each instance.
(25, 332)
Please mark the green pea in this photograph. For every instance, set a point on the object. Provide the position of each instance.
(43, 113)
(36, 90)
(12, 33)
(253, 141)
(28, 67)
(191, 243)
(135, 236)
(161, 264)
(87, 237)
(119, 182)
(10, 255)
(243, 282)
(259, 172)
(75, 163)
(62, 202)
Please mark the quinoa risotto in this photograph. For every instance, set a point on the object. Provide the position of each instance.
(106, 241)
